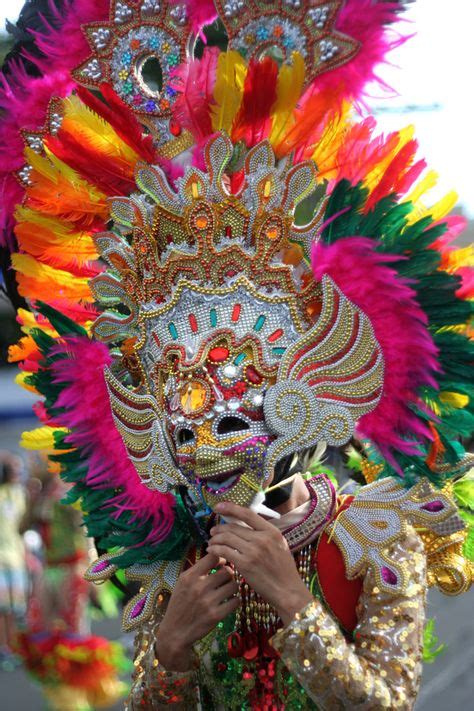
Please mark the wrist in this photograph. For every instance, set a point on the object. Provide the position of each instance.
(174, 656)
(293, 602)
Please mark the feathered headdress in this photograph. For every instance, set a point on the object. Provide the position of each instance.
(177, 199)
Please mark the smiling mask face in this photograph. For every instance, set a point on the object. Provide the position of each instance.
(216, 422)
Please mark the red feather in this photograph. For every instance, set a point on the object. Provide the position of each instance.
(106, 172)
(394, 176)
(122, 119)
(252, 123)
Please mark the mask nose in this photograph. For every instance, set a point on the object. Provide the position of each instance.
(205, 455)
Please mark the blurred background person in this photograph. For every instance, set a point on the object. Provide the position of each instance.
(13, 577)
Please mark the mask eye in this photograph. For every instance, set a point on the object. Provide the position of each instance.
(231, 424)
(184, 436)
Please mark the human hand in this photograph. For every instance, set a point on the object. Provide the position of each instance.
(261, 554)
(199, 601)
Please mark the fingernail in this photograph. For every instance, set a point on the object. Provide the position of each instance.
(220, 507)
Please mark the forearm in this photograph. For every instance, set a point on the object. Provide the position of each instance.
(382, 668)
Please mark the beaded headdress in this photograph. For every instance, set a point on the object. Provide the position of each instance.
(223, 267)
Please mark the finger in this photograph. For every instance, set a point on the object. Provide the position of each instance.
(230, 554)
(206, 563)
(247, 534)
(222, 576)
(226, 608)
(225, 592)
(227, 538)
(242, 514)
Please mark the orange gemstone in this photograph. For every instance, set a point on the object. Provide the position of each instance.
(272, 233)
(135, 44)
(202, 222)
(278, 30)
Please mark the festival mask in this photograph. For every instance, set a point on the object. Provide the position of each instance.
(232, 358)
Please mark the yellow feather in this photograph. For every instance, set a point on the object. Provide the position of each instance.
(437, 211)
(325, 154)
(28, 321)
(289, 89)
(423, 186)
(461, 258)
(54, 169)
(80, 121)
(41, 437)
(228, 89)
(374, 176)
(456, 400)
(20, 380)
(40, 281)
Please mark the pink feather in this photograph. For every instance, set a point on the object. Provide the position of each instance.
(195, 83)
(64, 47)
(365, 21)
(399, 323)
(88, 415)
(24, 99)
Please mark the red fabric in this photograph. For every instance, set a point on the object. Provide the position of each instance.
(340, 594)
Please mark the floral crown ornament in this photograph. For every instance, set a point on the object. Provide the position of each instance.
(305, 26)
(136, 33)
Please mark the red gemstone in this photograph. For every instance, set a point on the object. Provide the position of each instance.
(218, 354)
(275, 335)
(175, 128)
(252, 375)
(236, 312)
(193, 323)
(228, 231)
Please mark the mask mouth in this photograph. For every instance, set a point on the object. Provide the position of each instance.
(222, 483)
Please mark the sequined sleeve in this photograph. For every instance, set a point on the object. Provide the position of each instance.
(153, 687)
(381, 669)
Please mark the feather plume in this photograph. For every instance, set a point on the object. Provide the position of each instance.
(109, 174)
(400, 326)
(58, 190)
(367, 22)
(48, 238)
(40, 281)
(83, 122)
(252, 122)
(65, 45)
(86, 413)
(330, 142)
(122, 119)
(42, 438)
(228, 89)
(308, 125)
(195, 83)
(289, 89)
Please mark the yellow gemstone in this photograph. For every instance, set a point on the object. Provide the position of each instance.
(195, 397)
